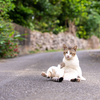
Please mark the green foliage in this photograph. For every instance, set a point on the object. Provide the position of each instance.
(93, 24)
(55, 15)
(21, 15)
(8, 40)
(81, 33)
(5, 7)
(90, 25)
(8, 37)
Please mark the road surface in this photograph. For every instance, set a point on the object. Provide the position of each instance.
(20, 78)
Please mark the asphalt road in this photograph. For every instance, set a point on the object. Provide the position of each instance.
(20, 78)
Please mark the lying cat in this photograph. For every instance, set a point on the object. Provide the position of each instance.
(55, 73)
(68, 70)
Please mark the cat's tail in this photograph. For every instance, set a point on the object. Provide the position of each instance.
(56, 79)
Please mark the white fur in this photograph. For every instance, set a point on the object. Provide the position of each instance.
(68, 56)
(72, 69)
(54, 71)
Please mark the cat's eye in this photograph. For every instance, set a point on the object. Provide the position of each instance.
(71, 53)
(66, 52)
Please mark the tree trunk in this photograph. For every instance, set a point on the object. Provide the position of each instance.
(72, 28)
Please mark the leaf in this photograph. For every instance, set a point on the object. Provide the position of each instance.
(0, 51)
(2, 42)
(16, 36)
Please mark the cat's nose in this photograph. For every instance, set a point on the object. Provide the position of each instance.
(67, 56)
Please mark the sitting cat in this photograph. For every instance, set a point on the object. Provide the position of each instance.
(68, 70)
(72, 68)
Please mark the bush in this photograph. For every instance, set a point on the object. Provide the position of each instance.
(81, 33)
(89, 26)
(8, 40)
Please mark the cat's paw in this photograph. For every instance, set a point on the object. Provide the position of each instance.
(75, 80)
(60, 79)
(43, 74)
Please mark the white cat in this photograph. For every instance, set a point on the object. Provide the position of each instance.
(55, 73)
(72, 68)
(68, 70)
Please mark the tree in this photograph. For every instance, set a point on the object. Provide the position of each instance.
(5, 7)
(57, 15)
(90, 24)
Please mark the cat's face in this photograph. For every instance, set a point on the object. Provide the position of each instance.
(69, 53)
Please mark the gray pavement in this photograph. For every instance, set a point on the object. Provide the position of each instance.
(20, 78)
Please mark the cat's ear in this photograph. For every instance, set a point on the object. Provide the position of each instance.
(75, 47)
(64, 46)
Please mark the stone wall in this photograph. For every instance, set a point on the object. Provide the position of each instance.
(47, 41)
(93, 42)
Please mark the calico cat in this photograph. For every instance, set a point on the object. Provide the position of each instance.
(68, 70)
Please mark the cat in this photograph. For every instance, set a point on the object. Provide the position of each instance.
(55, 73)
(68, 70)
(72, 70)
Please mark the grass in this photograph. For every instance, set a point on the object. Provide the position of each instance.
(52, 50)
(38, 51)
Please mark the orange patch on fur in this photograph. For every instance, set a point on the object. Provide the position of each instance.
(43, 74)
